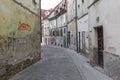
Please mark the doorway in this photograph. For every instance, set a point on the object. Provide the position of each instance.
(83, 43)
(100, 46)
(79, 43)
(68, 40)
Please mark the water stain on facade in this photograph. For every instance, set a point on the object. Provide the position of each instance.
(19, 38)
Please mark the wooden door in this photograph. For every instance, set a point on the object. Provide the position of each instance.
(100, 46)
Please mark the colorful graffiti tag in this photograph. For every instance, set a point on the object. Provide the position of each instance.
(24, 26)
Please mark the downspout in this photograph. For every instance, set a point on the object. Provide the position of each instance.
(76, 25)
(40, 21)
(40, 26)
(67, 23)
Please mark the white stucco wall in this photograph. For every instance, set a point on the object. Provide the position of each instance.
(61, 20)
(29, 4)
(91, 1)
(82, 8)
(46, 27)
(70, 9)
(52, 24)
(109, 14)
(83, 26)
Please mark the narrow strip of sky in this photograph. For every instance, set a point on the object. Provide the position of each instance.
(48, 4)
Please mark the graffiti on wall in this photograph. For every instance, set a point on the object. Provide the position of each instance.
(3, 44)
(24, 26)
(1, 37)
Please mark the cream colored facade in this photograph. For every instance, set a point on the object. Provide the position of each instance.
(83, 41)
(105, 14)
(19, 33)
(46, 32)
(82, 13)
(71, 15)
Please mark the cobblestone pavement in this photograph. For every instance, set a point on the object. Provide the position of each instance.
(56, 64)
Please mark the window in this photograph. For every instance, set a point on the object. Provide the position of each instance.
(78, 5)
(61, 32)
(58, 32)
(61, 9)
(34, 1)
(64, 30)
(53, 33)
(56, 11)
(82, 1)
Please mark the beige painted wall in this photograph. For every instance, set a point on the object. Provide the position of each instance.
(16, 44)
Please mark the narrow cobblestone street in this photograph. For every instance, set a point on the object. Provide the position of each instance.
(56, 64)
(59, 40)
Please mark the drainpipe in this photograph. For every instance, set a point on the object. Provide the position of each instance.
(40, 26)
(40, 21)
(67, 23)
(67, 30)
(76, 25)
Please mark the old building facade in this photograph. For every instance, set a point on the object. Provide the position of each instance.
(71, 24)
(103, 35)
(45, 26)
(19, 35)
(46, 32)
(61, 25)
(57, 25)
(53, 28)
(82, 21)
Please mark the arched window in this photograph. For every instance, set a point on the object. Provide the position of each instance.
(61, 32)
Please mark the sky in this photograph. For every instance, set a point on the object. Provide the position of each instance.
(48, 4)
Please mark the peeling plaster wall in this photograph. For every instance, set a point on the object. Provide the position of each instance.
(109, 18)
(29, 4)
(108, 13)
(19, 34)
(46, 32)
(70, 9)
(61, 24)
(83, 27)
(82, 7)
(72, 30)
(61, 20)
